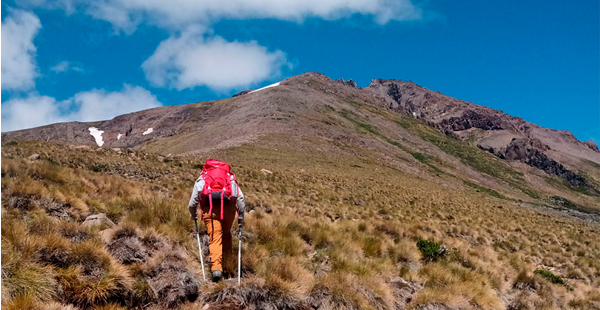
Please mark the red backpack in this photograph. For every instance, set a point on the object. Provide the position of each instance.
(219, 182)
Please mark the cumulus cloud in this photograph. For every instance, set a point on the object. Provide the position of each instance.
(19, 68)
(86, 106)
(127, 14)
(100, 105)
(28, 112)
(66, 66)
(189, 58)
(192, 59)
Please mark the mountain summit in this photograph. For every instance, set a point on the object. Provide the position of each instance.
(382, 117)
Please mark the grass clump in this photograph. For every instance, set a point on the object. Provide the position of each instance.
(483, 189)
(548, 275)
(431, 250)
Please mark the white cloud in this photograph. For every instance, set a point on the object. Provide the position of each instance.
(86, 106)
(66, 66)
(179, 14)
(192, 59)
(100, 105)
(19, 68)
(189, 58)
(30, 112)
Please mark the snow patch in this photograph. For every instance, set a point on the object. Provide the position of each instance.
(149, 130)
(97, 134)
(268, 86)
(119, 136)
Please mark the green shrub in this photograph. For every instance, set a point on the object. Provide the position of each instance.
(431, 250)
(550, 276)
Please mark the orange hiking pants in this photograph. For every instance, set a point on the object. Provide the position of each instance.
(219, 232)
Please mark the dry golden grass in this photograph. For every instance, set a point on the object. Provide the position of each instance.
(322, 230)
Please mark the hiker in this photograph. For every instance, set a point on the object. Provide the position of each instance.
(217, 193)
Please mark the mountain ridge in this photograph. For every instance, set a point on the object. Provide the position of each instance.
(313, 105)
(505, 136)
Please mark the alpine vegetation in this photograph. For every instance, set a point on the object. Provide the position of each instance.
(324, 196)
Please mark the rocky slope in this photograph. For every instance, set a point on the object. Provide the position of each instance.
(312, 105)
(505, 136)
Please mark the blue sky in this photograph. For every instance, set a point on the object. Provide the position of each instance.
(539, 60)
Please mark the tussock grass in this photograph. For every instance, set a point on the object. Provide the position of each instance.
(255, 293)
(93, 276)
(323, 232)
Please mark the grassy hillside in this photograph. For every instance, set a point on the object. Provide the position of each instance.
(326, 230)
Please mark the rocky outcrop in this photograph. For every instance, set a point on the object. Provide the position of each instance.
(350, 83)
(472, 119)
(530, 152)
(593, 146)
(488, 129)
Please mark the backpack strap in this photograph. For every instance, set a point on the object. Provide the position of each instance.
(210, 200)
(222, 194)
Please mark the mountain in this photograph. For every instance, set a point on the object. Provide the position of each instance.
(502, 135)
(385, 197)
(389, 115)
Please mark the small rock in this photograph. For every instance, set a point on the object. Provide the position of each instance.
(98, 219)
(265, 171)
(106, 235)
(403, 291)
(34, 157)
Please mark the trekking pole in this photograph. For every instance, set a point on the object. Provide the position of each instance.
(240, 256)
(200, 249)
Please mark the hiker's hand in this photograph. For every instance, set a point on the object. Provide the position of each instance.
(240, 222)
(194, 213)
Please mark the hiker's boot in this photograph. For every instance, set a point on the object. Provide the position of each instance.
(217, 275)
